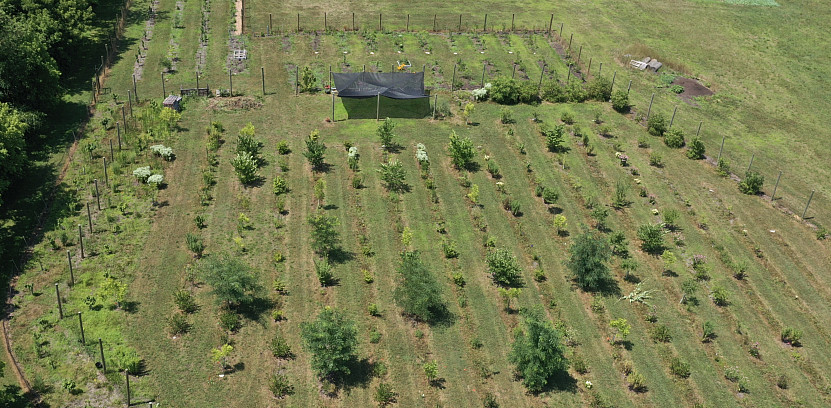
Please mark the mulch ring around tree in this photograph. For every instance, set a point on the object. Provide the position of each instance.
(692, 88)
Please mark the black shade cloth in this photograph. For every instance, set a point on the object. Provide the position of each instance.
(396, 85)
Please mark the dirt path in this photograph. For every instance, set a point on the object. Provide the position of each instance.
(238, 18)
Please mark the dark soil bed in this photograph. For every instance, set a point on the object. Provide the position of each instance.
(692, 88)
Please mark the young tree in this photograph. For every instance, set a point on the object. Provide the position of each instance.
(320, 191)
(589, 256)
(620, 101)
(315, 150)
(246, 168)
(652, 238)
(554, 138)
(431, 370)
(12, 144)
(561, 224)
(461, 151)
(246, 142)
(752, 183)
(504, 268)
(393, 175)
(695, 151)
(538, 352)
(232, 280)
(325, 236)
(332, 340)
(385, 134)
(308, 81)
(669, 259)
(220, 355)
(418, 294)
(657, 124)
(508, 295)
(622, 328)
(468, 111)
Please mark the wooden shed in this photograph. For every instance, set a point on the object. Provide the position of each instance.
(173, 102)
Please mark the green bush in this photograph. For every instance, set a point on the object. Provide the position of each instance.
(620, 101)
(752, 183)
(652, 238)
(504, 268)
(323, 270)
(576, 93)
(554, 138)
(283, 147)
(657, 124)
(280, 348)
(308, 81)
(229, 321)
(449, 249)
(567, 117)
(599, 89)
(720, 296)
(177, 324)
(655, 160)
(385, 133)
(512, 205)
(246, 168)
(462, 151)
(723, 167)
(505, 91)
(506, 116)
(184, 301)
(315, 150)
(679, 368)
(661, 334)
(708, 330)
(791, 336)
(419, 295)
(195, 244)
(552, 91)
(550, 195)
(674, 138)
(695, 151)
(493, 169)
(637, 382)
(589, 255)
(280, 386)
(384, 394)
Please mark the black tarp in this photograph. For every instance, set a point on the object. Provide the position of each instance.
(396, 85)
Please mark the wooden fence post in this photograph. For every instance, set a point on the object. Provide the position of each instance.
(101, 349)
(513, 17)
(751, 162)
(569, 41)
(435, 105)
(460, 23)
(628, 88)
(262, 72)
(81, 325)
(803, 212)
(589, 70)
(434, 21)
(230, 84)
(550, 22)
(135, 89)
(164, 91)
(106, 176)
(81, 240)
(296, 80)
(649, 111)
(127, 379)
(485, 27)
(60, 306)
(71, 272)
(773, 197)
(674, 111)
(89, 217)
(118, 132)
(97, 195)
(513, 71)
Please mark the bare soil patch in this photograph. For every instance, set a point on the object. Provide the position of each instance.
(692, 88)
(235, 103)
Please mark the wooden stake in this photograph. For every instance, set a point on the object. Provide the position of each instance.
(296, 80)
(101, 348)
(513, 16)
(380, 26)
(97, 195)
(569, 41)
(542, 73)
(89, 218)
(69, 261)
(127, 378)
(773, 197)
(298, 22)
(60, 306)
(589, 70)
(803, 212)
(434, 21)
(112, 154)
(561, 30)
(353, 22)
(752, 156)
(81, 325)
(600, 70)
(485, 27)
(649, 111)
(325, 23)
(333, 104)
(628, 88)
(118, 132)
(164, 92)
(81, 240)
(269, 24)
(513, 72)
(674, 111)
(697, 132)
(408, 23)
(135, 89)
(460, 23)
(612, 88)
(130, 102)
(550, 22)
(435, 105)
(106, 177)
(262, 72)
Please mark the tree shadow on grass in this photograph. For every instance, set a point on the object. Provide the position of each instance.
(340, 255)
(561, 381)
(254, 307)
(360, 374)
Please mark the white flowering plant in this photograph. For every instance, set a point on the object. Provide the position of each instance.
(142, 173)
(156, 180)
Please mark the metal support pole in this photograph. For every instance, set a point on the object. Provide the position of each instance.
(803, 212)
(89, 218)
(628, 88)
(164, 91)
(81, 325)
(333, 105)
(550, 23)
(298, 22)
(106, 177)
(674, 111)
(460, 23)
(71, 272)
(97, 195)
(434, 21)
(262, 72)
(112, 153)
(542, 73)
(378, 108)
(130, 102)
(484, 66)
(296, 80)
(600, 70)
(612, 88)
(513, 16)
(269, 24)
(101, 349)
(81, 240)
(751, 161)
(773, 197)
(513, 72)
(353, 22)
(127, 379)
(649, 111)
(380, 26)
(118, 132)
(60, 306)
(697, 132)
(569, 41)
(135, 89)
(485, 27)
(408, 23)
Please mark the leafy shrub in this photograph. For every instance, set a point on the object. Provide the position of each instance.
(744, 385)
(567, 117)
(280, 348)
(373, 310)
(752, 183)
(493, 169)
(576, 93)
(708, 330)
(504, 268)
(619, 243)
(637, 382)
(655, 160)
(643, 142)
(679, 368)
(280, 386)
(283, 147)
(538, 352)
(393, 176)
(156, 180)
(229, 321)
(246, 168)
(670, 218)
(195, 244)
(280, 186)
(554, 138)
(385, 133)
(142, 173)
(315, 150)
(550, 195)
(185, 301)
(588, 261)
(696, 149)
(511, 205)
(560, 224)
(461, 150)
(506, 116)
(419, 293)
(505, 91)
(791, 336)
(720, 296)
(652, 238)
(732, 374)
(661, 334)
(674, 138)
(331, 339)
(323, 270)
(599, 89)
(723, 167)
(657, 124)
(177, 324)
(163, 152)
(384, 394)
(782, 382)
(552, 91)
(449, 249)
(308, 81)
(620, 101)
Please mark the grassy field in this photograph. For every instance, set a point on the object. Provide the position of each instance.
(139, 234)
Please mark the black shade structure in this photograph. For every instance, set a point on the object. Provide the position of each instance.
(395, 85)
